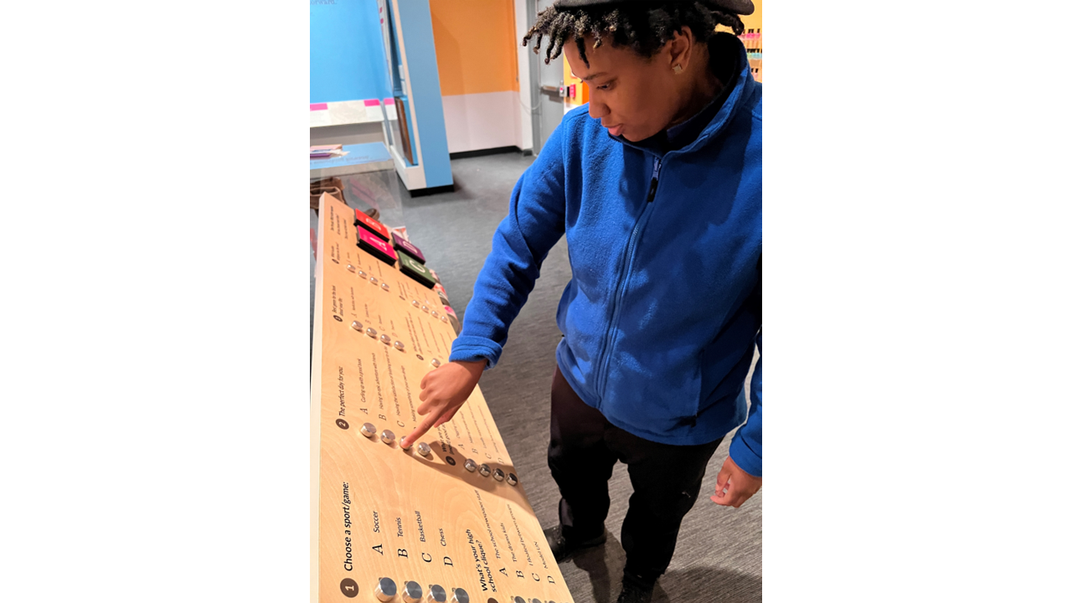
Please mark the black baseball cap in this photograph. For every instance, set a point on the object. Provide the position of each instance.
(740, 7)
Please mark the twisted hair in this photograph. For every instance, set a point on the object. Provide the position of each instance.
(643, 27)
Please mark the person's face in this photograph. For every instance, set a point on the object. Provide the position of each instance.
(633, 97)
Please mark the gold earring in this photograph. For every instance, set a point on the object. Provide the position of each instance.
(677, 69)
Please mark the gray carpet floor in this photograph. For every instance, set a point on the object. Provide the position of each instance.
(719, 550)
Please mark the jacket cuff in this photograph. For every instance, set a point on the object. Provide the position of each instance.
(745, 457)
(471, 349)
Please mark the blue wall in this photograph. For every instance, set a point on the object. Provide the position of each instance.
(346, 57)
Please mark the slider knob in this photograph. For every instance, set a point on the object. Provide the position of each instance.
(387, 437)
(499, 475)
(435, 362)
(460, 596)
(437, 594)
(373, 280)
(368, 430)
(424, 449)
(470, 465)
(386, 589)
(511, 479)
(485, 470)
(350, 267)
(401, 347)
(412, 592)
(364, 274)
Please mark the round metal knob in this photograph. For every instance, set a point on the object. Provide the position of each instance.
(400, 346)
(519, 600)
(460, 596)
(356, 326)
(374, 280)
(499, 475)
(424, 449)
(385, 286)
(351, 267)
(411, 592)
(511, 479)
(385, 338)
(386, 589)
(364, 274)
(416, 304)
(425, 308)
(371, 332)
(470, 465)
(485, 470)
(435, 362)
(387, 437)
(435, 314)
(368, 430)
(437, 594)
(443, 318)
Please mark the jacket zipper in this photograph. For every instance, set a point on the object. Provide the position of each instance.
(619, 289)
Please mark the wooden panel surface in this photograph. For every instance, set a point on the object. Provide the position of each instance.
(379, 510)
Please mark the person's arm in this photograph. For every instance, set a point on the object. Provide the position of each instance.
(742, 473)
(536, 222)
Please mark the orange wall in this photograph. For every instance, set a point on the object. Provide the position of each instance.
(475, 47)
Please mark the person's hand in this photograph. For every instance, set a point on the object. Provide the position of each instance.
(734, 486)
(443, 391)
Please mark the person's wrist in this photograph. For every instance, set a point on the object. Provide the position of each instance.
(474, 367)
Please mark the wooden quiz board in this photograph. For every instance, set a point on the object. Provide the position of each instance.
(381, 511)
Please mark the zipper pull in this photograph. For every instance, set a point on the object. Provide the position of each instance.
(654, 180)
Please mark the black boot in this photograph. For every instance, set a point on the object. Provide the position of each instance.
(563, 549)
(634, 592)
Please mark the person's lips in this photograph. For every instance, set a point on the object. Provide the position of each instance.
(615, 130)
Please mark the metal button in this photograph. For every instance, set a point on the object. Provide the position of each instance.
(437, 594)
(368, 430)
(485, 470)
(385, 286)
(424, 449)
(470, 465)
(499, 475)
(386, 589)
(385, 338)
(435, 314)
(351, 267)
(416, 304)
(371, 332)
(356, 326)
(363, 274)
(443, 318)
(425, 308)
(519, 600)
(460, 596)
(400, 346)
(374, 280)
(412, 592)
(511, 479)
(435, 362)
(387, 437)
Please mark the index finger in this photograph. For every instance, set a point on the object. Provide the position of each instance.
(422, 428)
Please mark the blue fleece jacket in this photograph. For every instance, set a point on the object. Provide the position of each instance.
(663, 311)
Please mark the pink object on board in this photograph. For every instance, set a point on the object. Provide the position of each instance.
(388, 101)
(318, 107)
(371, 102)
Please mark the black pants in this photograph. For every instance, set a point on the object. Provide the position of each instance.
(666, 481)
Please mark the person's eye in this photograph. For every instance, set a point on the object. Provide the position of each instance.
(606, 86)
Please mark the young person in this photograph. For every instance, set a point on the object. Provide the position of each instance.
(656, 184)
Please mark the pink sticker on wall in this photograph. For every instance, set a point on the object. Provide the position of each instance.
(318, 107)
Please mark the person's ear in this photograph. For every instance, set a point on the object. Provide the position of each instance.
(680, 50)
